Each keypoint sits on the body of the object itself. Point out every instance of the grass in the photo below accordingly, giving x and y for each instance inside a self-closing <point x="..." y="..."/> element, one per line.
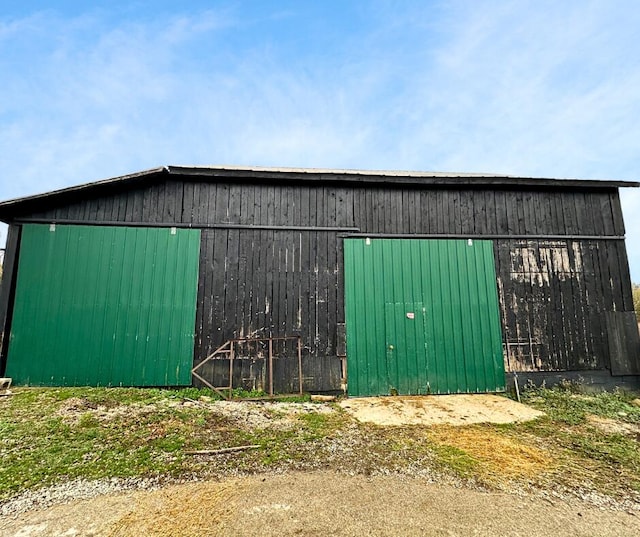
<point x="584" y="441"/>
<point x="47" y="435"/>
<point x="52" y="434"/>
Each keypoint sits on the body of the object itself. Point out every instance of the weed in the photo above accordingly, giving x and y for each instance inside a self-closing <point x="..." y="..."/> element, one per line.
<point x="53" y="434"/>
<point x="456" y="460"/>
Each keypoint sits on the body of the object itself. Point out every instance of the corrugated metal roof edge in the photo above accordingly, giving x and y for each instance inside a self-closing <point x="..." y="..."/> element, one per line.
<point x="508" y="179"/>
<point x="84" y="186"/>
<point x="373" y="176"/>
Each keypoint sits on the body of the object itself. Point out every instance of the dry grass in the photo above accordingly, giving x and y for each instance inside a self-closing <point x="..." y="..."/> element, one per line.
<point x="497" y="456"/>
<point x="190" y="510"/>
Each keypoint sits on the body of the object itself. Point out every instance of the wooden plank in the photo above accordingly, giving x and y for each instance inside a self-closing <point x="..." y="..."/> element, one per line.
<point x="530" y="225"/>
<point x="126" y="206"/>
<point x="502" y="216"/>
<point x="371" y="212"/>
<point x="361" y="209"/>
<point x="174" y="201"/>
<point x="417" y="211"/>
<point x="159" y="200"/>
<point x="616" y="210"/>
<point x="137" y="215"/>
<point x="623" y="276"/>
<point x="313" y="288"/>
<point x="291" y="287"/>
<point x="607" y="213"/>
<point x="203" y="304"/>
<point x="569" y="212"/>
<point x="605" y="278"/>
<point x="234" y="204"/>
<point x="305" y="206"/>
<point x="592" y="305"/>
<point x="306" y="249"/>
<point x="245" y="213"/>
<point x="60" y="213"/>
<point x="147" y="205"/>
<point x="119" y="206"/>
<point x="279" y="284"/>
<point x="399" y="214"/>
<point x="344" y="208"/>
<point x="260" y="296"/>
<point x="219" y="203"/>
<point x="624" y="342"/>
<point x="217" y="321"/>
<point x="580" y="356"/>
<point x="558" y="215"/>
<point x="376" y="206"/>
<point x="593" y="214"/>
<point x="492" y="212"/>
<point x="549" y="225"/>
<point x="332" y="294"/>
<point x="284" y="204"/>
<point x="584" y="216"/>
<point x="203" y="194"/>
<point x="270" y="291"/>
<point x="231" y="305"/>
<point x="7" y="289"/>
<point x="295" y="218"/>
<point x="330" y="206"/>
<point x="238" y="283"/>
<point x="322" y="306"/>
<point x="340" y="315"/>
<point x="597" y="309"/>
<point x="187" y="208"/>
<point x="466" y="216"/>
<point x="105" y="208"/>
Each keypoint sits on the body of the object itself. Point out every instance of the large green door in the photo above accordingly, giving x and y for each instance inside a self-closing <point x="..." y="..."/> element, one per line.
<point x="104" y="306"/>
<point x="422" y="317"/>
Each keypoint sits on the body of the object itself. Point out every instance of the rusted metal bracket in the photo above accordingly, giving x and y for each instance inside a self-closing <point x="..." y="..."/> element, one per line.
<point x="227" y="351"/>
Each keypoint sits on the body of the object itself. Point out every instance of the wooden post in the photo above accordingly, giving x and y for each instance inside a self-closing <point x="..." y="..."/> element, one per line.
<point x="300" y="363"/>
<point x="231" y="355"/>
<point x="270" y="366"/>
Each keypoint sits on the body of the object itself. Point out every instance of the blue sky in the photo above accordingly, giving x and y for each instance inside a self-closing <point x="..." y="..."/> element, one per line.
<point x="92" y="90"/>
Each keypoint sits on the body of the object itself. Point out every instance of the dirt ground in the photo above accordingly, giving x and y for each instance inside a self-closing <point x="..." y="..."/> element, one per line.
<point x="319" y="503"/>
<point x="459" y="409"/>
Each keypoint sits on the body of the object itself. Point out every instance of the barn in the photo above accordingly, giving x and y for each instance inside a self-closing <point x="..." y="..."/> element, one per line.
<point x="283" y="279"/>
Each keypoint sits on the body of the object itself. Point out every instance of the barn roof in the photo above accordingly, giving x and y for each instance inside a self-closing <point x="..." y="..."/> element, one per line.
<point x="11" y="208"/>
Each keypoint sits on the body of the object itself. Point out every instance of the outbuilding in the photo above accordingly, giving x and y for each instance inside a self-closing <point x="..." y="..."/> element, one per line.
<point x="282" y="279"/>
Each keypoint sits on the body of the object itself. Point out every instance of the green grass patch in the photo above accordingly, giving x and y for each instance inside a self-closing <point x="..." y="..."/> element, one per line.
<point x="456" y="460"/>
<point x="48" y="435"/>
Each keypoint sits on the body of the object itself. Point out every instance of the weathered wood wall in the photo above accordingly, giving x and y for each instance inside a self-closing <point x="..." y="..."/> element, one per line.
<point x="271" y="258"/>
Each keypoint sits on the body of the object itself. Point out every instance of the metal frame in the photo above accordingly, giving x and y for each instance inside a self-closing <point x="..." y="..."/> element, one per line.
<point x="227" y="351"/>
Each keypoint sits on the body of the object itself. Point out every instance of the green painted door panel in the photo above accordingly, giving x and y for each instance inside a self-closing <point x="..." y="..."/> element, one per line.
<point x="451" y="287"/>
<point x="405" y="330"/>
<point x="104" y="306"/>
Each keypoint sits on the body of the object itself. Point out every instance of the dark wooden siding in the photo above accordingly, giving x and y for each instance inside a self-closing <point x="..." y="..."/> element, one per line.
<point x="273" y="283"/>
<point x="7" y="291"/>
<point x="371" y="209"/>
<point x="554" y="291"/>
<point x="554" y="297"/>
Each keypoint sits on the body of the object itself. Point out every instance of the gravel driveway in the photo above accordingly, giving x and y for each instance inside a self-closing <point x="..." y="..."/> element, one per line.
<point x="320" y="503"/>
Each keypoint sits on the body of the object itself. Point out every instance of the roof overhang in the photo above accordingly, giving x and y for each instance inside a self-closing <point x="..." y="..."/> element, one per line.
<point x="10" y="208"/>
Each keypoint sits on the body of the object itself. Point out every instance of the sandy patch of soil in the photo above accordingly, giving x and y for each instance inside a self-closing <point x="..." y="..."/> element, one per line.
<point x="320" y="503"/>
<point x="609" y="426"/>
<point x="460" y="409"/>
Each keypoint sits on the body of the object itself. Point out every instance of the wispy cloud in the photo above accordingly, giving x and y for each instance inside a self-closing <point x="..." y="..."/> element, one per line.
<point x="525" y="88"/>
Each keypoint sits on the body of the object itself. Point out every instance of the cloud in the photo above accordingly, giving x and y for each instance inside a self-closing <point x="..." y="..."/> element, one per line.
<point x="524" y="88"/>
